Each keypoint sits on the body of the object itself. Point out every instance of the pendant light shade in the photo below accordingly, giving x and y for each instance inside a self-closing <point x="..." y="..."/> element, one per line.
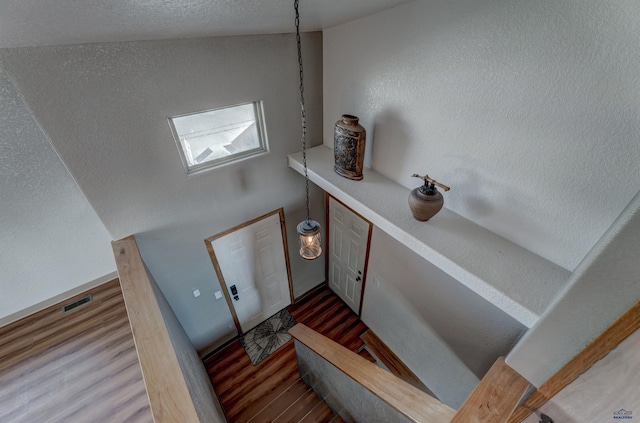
<point x="309" y="234"/>
<point x="308" y="230"/>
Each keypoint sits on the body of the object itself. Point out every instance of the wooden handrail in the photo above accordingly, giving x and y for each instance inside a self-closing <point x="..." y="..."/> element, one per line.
<point x="167" y="389"/>
<point x="408" y="400"/>
<point x="609" y="339"/>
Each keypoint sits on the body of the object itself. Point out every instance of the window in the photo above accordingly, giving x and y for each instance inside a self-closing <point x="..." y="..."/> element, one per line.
<point x="218" y="137"/>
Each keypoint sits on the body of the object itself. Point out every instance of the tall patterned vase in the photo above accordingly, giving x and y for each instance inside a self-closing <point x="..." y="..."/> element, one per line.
<point x="348" y="147"/>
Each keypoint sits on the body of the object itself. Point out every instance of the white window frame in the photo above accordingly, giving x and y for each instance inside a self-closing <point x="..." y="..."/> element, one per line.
<point x="262" y="149"/>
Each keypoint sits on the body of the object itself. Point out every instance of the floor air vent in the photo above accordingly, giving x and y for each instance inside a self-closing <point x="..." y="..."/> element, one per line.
<point x="78" y="303"/>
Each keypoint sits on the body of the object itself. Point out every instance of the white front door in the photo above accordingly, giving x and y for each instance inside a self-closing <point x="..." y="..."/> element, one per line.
<point x="254" y="271"/>
<point x="348" y="242"/>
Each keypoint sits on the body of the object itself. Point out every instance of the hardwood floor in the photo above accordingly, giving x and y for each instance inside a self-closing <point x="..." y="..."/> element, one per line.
<point x="272" y="391"/>
<point x="80" y="366"/>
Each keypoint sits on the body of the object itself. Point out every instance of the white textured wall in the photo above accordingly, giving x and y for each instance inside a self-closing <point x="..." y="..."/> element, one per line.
<point x="528" y="109"/>
<point x="51" y="240"/>
<point x="603" y="287"/>
<point x="447" y="335"/>
<point x="195" y="374"/>
<point x="610" y="385"/>
<point x="105" y="107"/>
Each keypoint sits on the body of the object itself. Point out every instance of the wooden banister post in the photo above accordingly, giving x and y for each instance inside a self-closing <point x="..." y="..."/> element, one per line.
<point x="495" y="397"/>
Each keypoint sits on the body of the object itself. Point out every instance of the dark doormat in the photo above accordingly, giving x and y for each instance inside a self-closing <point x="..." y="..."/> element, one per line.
<point x="268" y="336"/>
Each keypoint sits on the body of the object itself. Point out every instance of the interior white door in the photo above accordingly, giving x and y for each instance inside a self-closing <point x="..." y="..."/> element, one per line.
<point x="348" y="242"/>
<point x="253" y="264"/>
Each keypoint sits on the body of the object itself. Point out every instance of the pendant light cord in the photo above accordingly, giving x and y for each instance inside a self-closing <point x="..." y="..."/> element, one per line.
<point x="302" y="111"/>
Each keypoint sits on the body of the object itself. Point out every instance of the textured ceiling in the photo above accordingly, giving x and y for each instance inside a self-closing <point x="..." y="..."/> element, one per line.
<point x="51" y="22"/>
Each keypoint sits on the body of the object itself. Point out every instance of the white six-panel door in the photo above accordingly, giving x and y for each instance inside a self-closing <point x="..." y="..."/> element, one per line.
<point x="348" y="239"/>
<point x="253" y="260"/>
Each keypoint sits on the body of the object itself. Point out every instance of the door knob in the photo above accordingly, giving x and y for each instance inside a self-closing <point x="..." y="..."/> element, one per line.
<point x="358" y="279"/>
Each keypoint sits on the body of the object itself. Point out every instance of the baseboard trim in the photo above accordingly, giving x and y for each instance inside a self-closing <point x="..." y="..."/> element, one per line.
<point x="304" y="297"/>
<point x="57" y="299"/>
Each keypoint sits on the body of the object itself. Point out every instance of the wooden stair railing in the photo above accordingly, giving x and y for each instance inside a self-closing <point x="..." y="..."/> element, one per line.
<point x="166" y="387"/>
<point x="174" y="395"/>
<point x="496" y="396"/>
<point x="414" y="404"/>
<point x="493" y="401"/>
<point x="609" y="339"/>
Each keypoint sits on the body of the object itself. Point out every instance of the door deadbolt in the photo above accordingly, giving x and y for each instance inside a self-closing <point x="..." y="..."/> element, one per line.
<point x="234" y="292"/>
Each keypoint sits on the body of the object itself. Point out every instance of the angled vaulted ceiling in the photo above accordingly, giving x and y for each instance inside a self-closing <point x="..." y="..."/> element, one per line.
<point x="52" y="22"/>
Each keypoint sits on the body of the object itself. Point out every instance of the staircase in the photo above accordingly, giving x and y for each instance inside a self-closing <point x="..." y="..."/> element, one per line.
<point x="272" y="391"/>
<point x="391" y="362"/>
<point x="296" y="403"/>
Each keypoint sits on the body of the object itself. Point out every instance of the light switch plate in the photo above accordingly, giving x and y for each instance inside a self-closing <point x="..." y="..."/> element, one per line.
<point x="196" y="293"/>
<point x="218" y="295"/>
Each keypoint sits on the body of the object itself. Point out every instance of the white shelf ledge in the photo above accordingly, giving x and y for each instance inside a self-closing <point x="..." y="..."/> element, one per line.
<point x="514" y="279"/>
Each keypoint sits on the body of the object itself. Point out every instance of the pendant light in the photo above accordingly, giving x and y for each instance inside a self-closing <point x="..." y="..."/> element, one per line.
<point x="308" y="230"/>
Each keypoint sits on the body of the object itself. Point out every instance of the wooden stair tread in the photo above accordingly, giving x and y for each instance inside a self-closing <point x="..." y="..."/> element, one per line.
<point x="299" y="409"/>
<point x="321" y="413"/>
<point x="281" y="368"/>
<point x="367" y="355"/>
<point x="392" y="361"/>
<point x="281" y="403"/>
